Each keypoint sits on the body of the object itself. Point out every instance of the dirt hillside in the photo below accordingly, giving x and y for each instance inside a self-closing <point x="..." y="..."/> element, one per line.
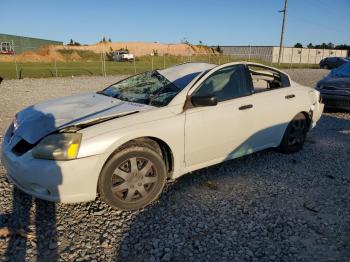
<point x="72" y="53"/>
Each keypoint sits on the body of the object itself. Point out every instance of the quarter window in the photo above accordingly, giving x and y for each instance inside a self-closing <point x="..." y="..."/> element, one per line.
<point x="226" y="83"/>
<point x="266" y="79"/>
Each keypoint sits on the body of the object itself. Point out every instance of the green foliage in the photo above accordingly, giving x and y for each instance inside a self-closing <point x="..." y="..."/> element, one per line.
<point x="84" y="54"/>
<point x="330" y="46"/>
<point x="109" y="54"/>
<point x="72" y="43"/>
<point x="298" y="45"/>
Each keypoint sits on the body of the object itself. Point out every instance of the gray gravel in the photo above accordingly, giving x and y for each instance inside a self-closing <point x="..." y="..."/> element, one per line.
<point x="262" y="207"/>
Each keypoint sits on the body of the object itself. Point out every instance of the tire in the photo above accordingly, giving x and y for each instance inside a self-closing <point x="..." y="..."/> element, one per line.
<point x="326" y="67"/>
<point x="295" y="134"/>
<point x="133" y="177"/>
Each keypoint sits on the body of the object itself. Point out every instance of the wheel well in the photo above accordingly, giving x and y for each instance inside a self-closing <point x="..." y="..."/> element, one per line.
<point x="308" y="117"/>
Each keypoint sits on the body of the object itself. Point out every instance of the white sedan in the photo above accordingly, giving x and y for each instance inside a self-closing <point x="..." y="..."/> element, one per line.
<point x="124" y="142"/>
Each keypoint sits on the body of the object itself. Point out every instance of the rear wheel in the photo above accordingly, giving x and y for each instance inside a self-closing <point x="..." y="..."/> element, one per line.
<point x="295" y="134"/>
<point x="133" y="177"/>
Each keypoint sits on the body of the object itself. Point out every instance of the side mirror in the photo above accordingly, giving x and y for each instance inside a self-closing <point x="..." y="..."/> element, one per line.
<point x="204" y="100"/>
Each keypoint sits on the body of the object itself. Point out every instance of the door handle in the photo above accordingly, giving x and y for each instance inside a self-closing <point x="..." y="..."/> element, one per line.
<point x="289" y="96"/>
<point x="245" y="107"/>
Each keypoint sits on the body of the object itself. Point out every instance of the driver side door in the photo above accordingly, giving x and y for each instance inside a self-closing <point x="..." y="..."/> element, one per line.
<point x="216" y="133"/>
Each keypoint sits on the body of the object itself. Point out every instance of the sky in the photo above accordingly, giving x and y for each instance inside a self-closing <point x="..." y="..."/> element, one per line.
<point x="215" y="22"/>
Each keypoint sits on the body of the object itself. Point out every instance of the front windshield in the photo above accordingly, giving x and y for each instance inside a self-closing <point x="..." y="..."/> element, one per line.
<point x="150" y="88"/>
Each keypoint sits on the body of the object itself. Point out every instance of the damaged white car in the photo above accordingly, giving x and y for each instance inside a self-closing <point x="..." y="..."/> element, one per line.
<point x="124" y="142"/>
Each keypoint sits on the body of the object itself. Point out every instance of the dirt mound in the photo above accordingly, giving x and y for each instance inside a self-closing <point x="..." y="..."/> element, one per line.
<point x="75" y="53"/>
<point x="144" y="48"/>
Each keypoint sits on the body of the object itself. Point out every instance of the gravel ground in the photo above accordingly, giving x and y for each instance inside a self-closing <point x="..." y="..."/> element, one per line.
<point x="262" y="207"/>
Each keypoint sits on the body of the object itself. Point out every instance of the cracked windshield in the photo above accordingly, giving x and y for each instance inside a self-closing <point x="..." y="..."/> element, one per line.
<point x="150" y="88"/>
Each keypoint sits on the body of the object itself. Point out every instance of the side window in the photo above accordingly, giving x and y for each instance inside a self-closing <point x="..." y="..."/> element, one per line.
<point x="226" y="83"/>
<point x="265" y="79"/>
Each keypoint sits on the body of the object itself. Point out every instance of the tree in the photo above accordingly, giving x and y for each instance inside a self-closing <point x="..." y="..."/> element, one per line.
<point x="104" y="40"/>
<point x="218" y="49"/>
<point x="322" y="46"/>
<point x="185" y="41"/>
<point x="298" y="45"/>
<point x="310" y="45"/>
<point x="200" y="42"/>
<point x="72" y="42"/>
<point x="109" y="40"/>
<point x="109" y="54"/>
<point x="330" y="45"/>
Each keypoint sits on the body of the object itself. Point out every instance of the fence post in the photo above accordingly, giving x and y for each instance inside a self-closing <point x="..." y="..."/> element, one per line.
<point x="134" y="64"/>
<point x="250" y="51"/>
<point x="14" y="57"/>
<point x="55" y="68"/>
<point x="102" y="65"/>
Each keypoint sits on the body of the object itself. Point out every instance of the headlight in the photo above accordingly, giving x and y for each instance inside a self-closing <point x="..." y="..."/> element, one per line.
<point x="15" y="123"/>
<point x="63" y="146"/>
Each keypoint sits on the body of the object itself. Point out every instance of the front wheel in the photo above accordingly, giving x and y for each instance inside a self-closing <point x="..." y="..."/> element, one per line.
<point x="133" y="177"/>
<point x="295" y="134"/>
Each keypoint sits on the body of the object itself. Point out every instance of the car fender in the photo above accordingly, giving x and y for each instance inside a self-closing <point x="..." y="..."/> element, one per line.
<point x="170" y="130"/>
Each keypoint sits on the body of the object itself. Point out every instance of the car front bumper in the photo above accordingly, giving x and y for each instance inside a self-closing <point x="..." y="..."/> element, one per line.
<point x="59" y="181"/>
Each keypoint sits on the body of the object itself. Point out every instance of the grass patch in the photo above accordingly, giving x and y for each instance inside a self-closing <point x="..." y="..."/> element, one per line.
<point x="93" y="65"/>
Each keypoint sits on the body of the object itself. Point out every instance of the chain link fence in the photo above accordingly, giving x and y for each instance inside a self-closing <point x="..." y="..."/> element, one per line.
<point x="76" y="63"/>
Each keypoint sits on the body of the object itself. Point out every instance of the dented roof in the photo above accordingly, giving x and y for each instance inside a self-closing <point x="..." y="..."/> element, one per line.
<point x="182" y="75"/>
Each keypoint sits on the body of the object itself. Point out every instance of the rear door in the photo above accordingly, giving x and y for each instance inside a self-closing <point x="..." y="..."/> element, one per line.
<point x="274" y="108"/>
<point x="216" y="133"/>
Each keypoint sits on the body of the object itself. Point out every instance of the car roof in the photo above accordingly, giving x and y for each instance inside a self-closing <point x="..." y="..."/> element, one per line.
<point x="181" y="75"/>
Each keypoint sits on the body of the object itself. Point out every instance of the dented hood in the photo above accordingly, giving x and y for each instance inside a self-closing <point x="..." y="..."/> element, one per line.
<point x="35" y="122"/>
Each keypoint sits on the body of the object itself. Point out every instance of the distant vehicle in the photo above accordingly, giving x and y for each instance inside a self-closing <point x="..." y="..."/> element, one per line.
<point x="333" y="62"/>
<point x="335" y="88"/>
<point x="125" y="141"/>
<point x="122" y="56"/>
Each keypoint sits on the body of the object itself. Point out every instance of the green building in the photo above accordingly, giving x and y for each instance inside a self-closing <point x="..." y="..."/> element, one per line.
<point x="20" y="44"/>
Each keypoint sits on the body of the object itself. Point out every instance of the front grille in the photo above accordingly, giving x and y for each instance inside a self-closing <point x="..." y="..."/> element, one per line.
<point x="328" y="88"/>
<point x="22" y="147"/>
<point x="336" y="103"/>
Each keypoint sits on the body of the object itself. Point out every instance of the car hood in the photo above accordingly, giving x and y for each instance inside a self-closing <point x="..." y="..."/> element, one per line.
<point x="37" y="121"/>
<point x="339" y="82"/>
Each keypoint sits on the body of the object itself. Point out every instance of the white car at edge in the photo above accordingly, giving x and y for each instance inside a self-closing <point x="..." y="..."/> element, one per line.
<point x="124" y="142"/>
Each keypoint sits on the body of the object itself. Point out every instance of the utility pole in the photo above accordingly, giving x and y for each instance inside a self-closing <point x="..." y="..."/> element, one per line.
<point x="284" y="11"/>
